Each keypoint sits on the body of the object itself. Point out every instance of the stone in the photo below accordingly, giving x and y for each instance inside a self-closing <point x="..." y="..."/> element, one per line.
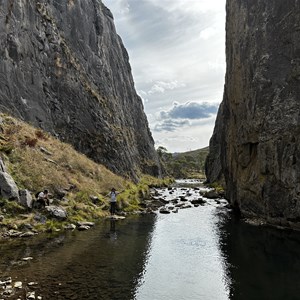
<point x="212" y="194"/>
<point x="27" y="258"/>
<point x="18" y="284"/>
<point x="2" y="165"/>
<point x="198" y="201"/>
<point x="40" y="218"/>
<point x="83" y="227"/>
<point x="90" y="224"/>
<point x="8" y="187"/>
<point x="186" y="205"/>
<point x="1" y="218"/>
<point x="13" y="233"/>
<point x="255" y="145"/>
<point x="60" y="193"/>
<point x="116" y="217"/>
<point x="5" y="281"/>
<point x="44" y="150"/>
<point x="183" y="198"/>
<point x="57" y="212"/>
<point x="164" y="210"/>
<point x="30" y="295"/>
<point x="27" y="234"/>
<point x="70" y="227"/>
<point x="95" y="199"/>
<point x="25" y="198"/>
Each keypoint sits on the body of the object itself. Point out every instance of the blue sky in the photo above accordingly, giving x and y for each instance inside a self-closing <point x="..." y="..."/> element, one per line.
<point x="177" y="54"/>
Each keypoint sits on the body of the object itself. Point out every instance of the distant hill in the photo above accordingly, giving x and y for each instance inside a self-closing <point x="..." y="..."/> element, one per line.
<point x="185" y="164"/>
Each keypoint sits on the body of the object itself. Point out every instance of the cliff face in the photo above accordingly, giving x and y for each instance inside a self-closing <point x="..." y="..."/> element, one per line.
<point x="257" y="133"/>
<point x="64" y="68"/>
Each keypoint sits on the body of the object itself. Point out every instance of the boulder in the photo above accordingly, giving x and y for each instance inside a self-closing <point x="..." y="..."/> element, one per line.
<point x="57" y="212"/>
<point x="198" y="201"/>
<point x="164" y="210"/>
<point x="8" y="187"/>
<point x="212" y="194"/>
<point x="40" y="218"/>
<point x="25" y="198"/>
<point x="70" y="227"/>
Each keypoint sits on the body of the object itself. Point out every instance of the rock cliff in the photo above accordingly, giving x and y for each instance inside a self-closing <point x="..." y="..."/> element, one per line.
<point x="64" y="68"/>
<point x="257" y="132"/>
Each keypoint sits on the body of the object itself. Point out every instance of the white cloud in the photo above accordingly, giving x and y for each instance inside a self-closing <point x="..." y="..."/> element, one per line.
<point x="191" y="6"/>
<point x="177" y="52"/>
<point x="208" y="33"/>
<point x="162" y="86"/>
<point x="190" y="110"/>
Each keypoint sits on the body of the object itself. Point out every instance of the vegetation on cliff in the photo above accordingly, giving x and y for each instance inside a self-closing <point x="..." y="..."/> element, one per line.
<point x="183" y="165"/>
<point x="37" y="161"/>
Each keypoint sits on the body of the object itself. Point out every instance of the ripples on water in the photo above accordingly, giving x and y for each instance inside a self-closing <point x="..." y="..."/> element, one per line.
<point x="198" y="253"/>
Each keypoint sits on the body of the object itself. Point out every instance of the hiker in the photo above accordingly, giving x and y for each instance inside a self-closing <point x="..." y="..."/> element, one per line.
<point x="43" y="198"/>
<point x="113" y="201"/>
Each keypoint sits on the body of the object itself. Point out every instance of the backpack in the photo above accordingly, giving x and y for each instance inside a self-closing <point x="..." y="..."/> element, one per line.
<point x="37" y="194"/>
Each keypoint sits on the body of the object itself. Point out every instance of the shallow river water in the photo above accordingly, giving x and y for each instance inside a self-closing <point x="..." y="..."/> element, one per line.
<point x="197" y="253"/>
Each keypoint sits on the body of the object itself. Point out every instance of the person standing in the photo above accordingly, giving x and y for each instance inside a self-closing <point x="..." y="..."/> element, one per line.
<point x="113" y="201"/>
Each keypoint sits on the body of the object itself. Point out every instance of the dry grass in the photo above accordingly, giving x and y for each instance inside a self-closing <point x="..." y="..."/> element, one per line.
<point x="37" y="161"/>
<point x="58" y="168"/>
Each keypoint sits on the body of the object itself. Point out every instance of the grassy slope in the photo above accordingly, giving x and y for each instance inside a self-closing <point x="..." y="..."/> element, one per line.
<point x="61" y="168"/>
<point x="199" y="156"/>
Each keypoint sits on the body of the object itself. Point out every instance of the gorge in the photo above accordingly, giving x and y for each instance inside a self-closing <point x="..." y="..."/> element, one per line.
<point x="255" y="146"/>
<point x="64" y="69"/>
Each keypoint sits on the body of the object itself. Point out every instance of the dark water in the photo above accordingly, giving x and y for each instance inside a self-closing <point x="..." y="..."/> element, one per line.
<point x="198" y="253"/>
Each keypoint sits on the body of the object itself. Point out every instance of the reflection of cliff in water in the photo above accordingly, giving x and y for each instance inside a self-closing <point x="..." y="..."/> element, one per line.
<point x="263" y="263"/>
<point x="102" y="263"/>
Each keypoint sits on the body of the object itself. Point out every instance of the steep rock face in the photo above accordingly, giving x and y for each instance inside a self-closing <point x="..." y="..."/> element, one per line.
<point x="64" y="68"/>
<point x="258" y="129"/>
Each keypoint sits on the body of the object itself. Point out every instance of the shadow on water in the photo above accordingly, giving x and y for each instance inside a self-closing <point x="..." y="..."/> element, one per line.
<point x="197" y="253"/>
<point x="105" y="262"/>
<point x="262" y="262"/>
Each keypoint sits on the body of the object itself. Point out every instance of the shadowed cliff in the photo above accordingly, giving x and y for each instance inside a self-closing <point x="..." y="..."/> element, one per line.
<point x="64" y="69"/>
<point x="256" y="138"/>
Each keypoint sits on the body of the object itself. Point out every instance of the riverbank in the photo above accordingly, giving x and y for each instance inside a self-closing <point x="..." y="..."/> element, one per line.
<point x="200" y="252"/>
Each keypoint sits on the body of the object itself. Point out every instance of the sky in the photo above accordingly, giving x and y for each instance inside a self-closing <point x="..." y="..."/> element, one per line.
<point x="177" y="53"/>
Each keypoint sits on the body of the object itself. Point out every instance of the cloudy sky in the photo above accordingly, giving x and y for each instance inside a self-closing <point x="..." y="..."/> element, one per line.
<point x="177" y="55"/>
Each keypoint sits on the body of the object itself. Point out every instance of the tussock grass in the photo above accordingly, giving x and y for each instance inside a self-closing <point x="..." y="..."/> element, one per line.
<point x="36" y="161"/>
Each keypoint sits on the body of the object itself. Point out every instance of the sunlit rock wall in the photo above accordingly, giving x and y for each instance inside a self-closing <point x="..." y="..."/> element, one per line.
<point x="64" y="68"/>
<point x="258" y="129"/>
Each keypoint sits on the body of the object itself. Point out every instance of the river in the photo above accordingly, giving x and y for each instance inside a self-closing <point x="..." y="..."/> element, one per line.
<point x="198" y="253"/>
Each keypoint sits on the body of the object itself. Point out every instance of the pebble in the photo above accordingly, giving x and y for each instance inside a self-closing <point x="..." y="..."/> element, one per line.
<point x="27" y="258"/>
<point x="30" y="295"/>
<point x="18" y="285"/>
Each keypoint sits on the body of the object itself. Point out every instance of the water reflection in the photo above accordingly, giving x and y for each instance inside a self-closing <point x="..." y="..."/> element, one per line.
<point x="83" y="265"/>
<point x="184" y="261"/>
<point x="198" y="253"/>
<point x="263" y="263"/>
